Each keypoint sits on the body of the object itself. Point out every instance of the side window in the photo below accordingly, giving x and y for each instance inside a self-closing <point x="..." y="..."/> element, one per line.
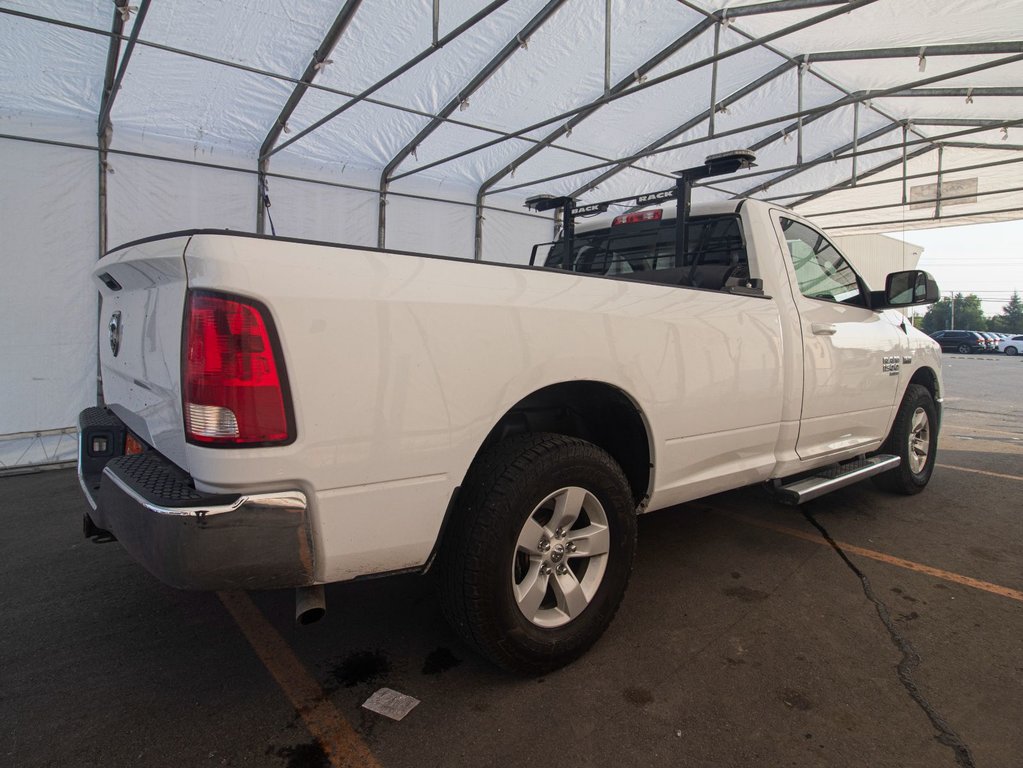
<point x="821" y="271"/>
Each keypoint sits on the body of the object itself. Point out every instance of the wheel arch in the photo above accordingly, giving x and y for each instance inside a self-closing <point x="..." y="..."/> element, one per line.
<point x="595" y="411"/>
<point x="928" y="379"/>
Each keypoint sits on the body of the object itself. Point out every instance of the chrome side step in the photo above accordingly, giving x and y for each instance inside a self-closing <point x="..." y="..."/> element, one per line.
<point x="838" y="476"/>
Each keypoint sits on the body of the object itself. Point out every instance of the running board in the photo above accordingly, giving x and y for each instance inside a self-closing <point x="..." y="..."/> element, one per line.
<point x="838" y="476"/>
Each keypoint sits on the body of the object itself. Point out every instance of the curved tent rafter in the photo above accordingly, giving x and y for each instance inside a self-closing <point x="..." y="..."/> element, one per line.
<point x="845" y="101"/>
<point x="794" y="17"/>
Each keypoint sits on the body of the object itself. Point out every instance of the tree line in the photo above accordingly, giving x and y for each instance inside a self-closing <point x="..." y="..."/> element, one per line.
<point x="968" y="315"/>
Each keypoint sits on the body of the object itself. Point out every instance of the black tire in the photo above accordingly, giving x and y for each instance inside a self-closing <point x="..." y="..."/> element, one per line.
<point x="903" y="479"/>
<point x="480" y="556"/>
<point x="964" y="349"/>
<point x="1011" y="351"/>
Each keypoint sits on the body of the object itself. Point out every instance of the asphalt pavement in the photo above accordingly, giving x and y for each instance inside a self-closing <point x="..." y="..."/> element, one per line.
<point x="863" y="629"/>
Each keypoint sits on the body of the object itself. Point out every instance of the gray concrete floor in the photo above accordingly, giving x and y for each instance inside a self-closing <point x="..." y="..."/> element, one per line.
<point x="739" y="643"/>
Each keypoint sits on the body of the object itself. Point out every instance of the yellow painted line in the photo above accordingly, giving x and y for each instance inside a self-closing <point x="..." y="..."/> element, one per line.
<point x="335" y="735"/>
<point x="955" y="578"/>
<point x="980" y="472"/>
<point x="985" y="430"/>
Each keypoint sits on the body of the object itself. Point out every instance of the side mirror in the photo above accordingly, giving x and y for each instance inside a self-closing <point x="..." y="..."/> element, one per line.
<point x="907" y="289"/>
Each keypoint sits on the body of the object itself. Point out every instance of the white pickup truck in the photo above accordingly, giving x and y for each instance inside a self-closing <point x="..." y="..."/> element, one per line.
<point x="281" y="413"/>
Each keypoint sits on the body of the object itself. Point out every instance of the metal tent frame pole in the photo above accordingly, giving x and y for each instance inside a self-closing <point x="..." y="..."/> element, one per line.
<point x="689" y="124"/>
<point x="253" y="172"/>
<point x="278" y="76"/>
<point x="850" y="183"/>
<point x="933" y="140"/>
<point x="958" y="49"/>
<point x="652" y="82"/>
<point x="805" y="195"/>
<point x="394" y="75"/>
<point x="936" y="199"/>
<point x="845" y="101"/>
<point x="928" y="222"/>
<point x="330" y="41"/>
<point x="517" y="42"/>
<point x="852" y="148"/>
<point x="576" y="118"/>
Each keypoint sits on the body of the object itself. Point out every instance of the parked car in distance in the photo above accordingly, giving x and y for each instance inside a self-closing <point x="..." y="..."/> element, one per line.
<point x="964" y="342"/>
<point x="1013" y="345"/>
<point x="992" y="340"/>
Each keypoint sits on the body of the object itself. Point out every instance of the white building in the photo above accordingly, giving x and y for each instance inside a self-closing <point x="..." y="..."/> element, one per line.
<point x="875" y="256"/>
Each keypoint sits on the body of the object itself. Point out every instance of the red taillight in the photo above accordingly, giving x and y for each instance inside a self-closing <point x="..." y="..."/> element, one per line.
<point x="635" y="218"/>
<point x="233" y="375"/>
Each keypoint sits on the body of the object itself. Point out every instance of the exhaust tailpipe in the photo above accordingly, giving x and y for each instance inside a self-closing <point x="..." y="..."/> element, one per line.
<point x="310" y="604"/>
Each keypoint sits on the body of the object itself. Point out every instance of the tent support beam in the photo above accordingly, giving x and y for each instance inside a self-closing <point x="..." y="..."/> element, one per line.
<point x="851" y="183"/>
<point x="272" y="75"/>
<point x="953" y="92"/>
<point x="315" y="86"/>
<point x="575" y="119"/>
<point x="688" y="125"/>
<point x="905" y="164"/>
<point x="513" y="45"/>
<point x="110" y="93"/>
<point x="607" y="47"/>
<point x="937" y="196"/>
<point x="714" y="81"/>
<point x="637" y="86"/>
<point x="851" y="99"/>
<point x="777" y="6"/>
<point x="799" y="108"/>
<point x="944" y="198"/>
<point x="804" y="67"/>
<point x="807" y="164"/>
<point x="856" y="139"/>
<point x="253" y="172"/>
<point x="982" y="145"/>
<point x="943" y="122"/>
<point x="103" y="148"/>
<point x="395" y="74"/>
<point x="102" y="135"/>
<point x="281" y="78"/>
<point x="835" y="154"/>
<point x="815" y="193"/>
<point x="928" y="222"/>
<point x="330" y="41"/>
<point x="964" y="49"/>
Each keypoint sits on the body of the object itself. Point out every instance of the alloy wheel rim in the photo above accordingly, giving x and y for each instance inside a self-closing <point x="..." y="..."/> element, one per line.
<point x="919" y="441"/>
<point x="560" y="557"/>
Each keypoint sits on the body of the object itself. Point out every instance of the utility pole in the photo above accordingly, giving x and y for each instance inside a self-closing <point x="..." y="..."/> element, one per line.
<point x="953" y="323"/>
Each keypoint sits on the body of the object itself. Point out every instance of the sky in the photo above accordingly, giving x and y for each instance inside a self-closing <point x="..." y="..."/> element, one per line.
<point x="985" y="259"/>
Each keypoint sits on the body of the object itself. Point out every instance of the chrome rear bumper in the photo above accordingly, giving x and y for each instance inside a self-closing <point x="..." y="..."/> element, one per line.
<point x="196" y="540"/>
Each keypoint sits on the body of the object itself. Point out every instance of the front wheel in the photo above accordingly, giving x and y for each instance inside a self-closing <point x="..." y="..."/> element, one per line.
<point x="539" y="554"/>
<point x="914" y="439"/>
<point x="964" y="349"/>
<point x="1011" y="351"/>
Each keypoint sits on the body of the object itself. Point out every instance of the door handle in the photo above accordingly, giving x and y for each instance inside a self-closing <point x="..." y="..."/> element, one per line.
<point x="823" y="329"/>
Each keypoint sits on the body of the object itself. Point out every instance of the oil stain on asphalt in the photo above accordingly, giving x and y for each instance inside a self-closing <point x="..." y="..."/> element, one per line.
<point x="360" y="667"/>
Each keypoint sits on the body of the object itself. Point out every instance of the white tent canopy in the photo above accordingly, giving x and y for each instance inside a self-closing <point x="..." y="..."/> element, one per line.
<point x="423" y="125"/>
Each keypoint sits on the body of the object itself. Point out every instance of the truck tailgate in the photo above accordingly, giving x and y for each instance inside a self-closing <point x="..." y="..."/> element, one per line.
<point x="143" y="289"/>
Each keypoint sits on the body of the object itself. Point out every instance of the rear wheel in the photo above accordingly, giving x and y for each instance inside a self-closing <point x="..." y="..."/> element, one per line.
<point x="914" y="439"/>
<point x="539" y="555"/>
